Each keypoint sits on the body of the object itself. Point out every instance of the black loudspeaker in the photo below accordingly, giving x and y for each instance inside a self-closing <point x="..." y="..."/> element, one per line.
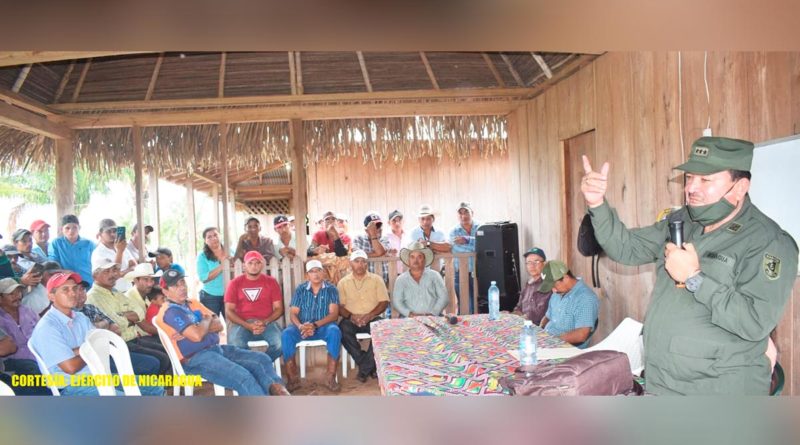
<point x="497" y="259"/>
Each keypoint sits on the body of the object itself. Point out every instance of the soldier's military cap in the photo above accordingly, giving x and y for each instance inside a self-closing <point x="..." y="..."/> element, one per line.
<point x="715" y="154"/>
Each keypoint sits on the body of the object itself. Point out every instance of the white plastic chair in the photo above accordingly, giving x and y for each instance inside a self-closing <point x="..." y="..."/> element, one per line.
<point x="359" y="337"/>
<point x="303" y="345"/>
<point x="625" y="338"/>
<point x="5" y="390"/>
<point x="100" y="346"/>
<point x="177" y="368"/>
<point x="42" y="367"/>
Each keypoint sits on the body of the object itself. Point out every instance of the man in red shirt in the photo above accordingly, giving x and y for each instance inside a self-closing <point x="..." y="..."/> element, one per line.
<point x="329" y="239"/>
<point x="253" y="305"/>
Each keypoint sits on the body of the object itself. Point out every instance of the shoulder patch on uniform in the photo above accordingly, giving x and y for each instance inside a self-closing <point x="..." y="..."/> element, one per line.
<point x="734" y="227"/>
<point x="662" y="215"/>
<point x="772" y="266"/>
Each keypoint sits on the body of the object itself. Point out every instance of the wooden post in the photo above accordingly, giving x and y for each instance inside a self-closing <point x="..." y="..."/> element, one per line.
<point x="153" y="204"/>
<point x="226" y="228"/>
<point x="215" y="197"/>
<point x="191" y="227"/>
<point x="299" y="185"/>
<point x="138" y="190"/>
<point x="65" y="181"/>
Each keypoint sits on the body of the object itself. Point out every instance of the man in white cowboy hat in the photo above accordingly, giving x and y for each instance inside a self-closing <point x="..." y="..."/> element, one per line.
<point x="143" y="279"/>
<point x="436" y="240"/>
<point x="420" y="290"/>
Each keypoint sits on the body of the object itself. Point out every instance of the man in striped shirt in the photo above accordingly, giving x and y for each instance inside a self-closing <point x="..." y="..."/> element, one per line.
<point x="314" y="311"/>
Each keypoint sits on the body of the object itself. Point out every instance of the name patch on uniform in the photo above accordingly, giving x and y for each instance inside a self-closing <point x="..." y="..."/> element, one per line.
<point x="734" y="227"/>
<point x="724" y="259"/>
<point x="772" y="266"/>
<point x="701" y="151"/>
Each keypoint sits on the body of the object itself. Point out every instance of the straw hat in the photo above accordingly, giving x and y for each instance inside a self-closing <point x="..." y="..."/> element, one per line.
<point x="416" y="246"/>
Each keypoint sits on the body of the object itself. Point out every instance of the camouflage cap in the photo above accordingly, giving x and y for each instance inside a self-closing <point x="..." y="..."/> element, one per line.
<point x="715" y="154"/>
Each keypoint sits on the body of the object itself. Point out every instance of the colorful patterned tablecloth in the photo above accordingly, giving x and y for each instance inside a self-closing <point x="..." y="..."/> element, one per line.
<point x="428" y="356"/>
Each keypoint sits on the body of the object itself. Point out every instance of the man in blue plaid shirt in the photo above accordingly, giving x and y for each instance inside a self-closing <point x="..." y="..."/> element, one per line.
<point x="572" y="312"/>
<point x="373" y="242"/>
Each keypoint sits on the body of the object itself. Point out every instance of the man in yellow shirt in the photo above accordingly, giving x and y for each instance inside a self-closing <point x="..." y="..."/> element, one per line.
<point x="119" y="308"/>
<point x="362" y="300"/>
<point x="142" y="277"/>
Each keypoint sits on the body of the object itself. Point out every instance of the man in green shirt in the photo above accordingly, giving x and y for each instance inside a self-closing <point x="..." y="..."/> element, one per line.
<point x="716" y="298"/>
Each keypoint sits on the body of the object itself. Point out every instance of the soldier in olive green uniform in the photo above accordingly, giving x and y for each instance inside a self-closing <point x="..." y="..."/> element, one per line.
<point x="708" y="336"/>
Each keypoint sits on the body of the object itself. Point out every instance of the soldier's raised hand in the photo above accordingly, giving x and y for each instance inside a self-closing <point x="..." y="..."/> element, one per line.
<point x="594" y="184"/>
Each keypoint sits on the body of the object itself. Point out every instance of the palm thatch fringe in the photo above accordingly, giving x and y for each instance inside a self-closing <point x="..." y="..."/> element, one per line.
<point x="256" y="145"/>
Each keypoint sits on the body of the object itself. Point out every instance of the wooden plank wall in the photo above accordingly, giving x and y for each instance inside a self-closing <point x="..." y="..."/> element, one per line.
<point x="354" y="188"/>
<point x="631" y="100"/>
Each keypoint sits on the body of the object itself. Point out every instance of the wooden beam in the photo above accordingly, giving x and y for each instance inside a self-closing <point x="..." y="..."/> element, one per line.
<point x="27" y="103"/>
<point x="298" y="66"/>
<point x="221" y="84"/>
<point x="299" y="186"/>
<point x="292" y="73"/>
<point x="364" y="71"/>
<point x="11" y="58"/>
<point x="512" y="70"/>
<point x="205" y="177"/>
<point x="138" y="185"/>
<point x="542" y="64"/>
<point x="32" y="123"/>
<point x="153" y="205"/>
<point x="191" y="226"/>
<point x="248" y="175"/>
<point x="225" y="191"/>
<point x="81" y="79"/>
<point x="63" y="83"/>
<point x="497" y="77"/>
<point x="429" y="69"/>
<point x="65" y="180"/>
<point x="215" y="197"/>
<point x="255" y="189"/>
<point x="154" y="77"/>
<point x="23" y="74"/>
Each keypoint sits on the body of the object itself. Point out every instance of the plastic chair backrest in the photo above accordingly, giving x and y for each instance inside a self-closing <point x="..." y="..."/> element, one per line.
<point x="5" y="390"/>
<point x="170" y="348"/>
<point x="97" y="351"/>
<point x="778" y="380"/>
<point x="42" y="367"/>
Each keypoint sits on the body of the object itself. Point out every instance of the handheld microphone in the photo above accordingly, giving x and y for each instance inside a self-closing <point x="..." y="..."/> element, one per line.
<point x="676" y="237"/>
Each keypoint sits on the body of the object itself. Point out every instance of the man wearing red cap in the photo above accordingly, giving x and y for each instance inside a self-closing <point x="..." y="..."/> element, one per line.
<point x="59" y="334"/>
<point x="41" y="235"/>
<point x="253" y="305"/>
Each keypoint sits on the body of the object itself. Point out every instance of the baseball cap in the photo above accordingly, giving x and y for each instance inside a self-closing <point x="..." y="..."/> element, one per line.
<point x="69" y="219"/>
<point x="372" y="216"/>
<point x="313" y="264"/>
<point x="395" y="214"/>
<point x="465" y="205"/>
<point x="328" y="214"/>
<point x="425" y="210"/>
<point x="104" y="264"/>
<point x="535" y="251"/>
<point x="160" y="251"/>
<point x="552" y="272"/>
<point x="170" y="278"/>
<point x="60" y="278"/>
<point x="10" y="249"/>
<point x="7" y="285"/>
<point x="38" y="224"/>
<point x="280" y="220"/>
<point x="342" y="216"/>
<point x="107" y="224"/>
<point x="715" y="154"/>
<point x="358" y="254"/>
<point x="253" y="255"/>
<point x="19" y="234"/>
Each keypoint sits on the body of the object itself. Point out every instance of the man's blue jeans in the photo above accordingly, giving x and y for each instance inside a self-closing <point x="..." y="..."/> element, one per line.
<point x="250" y="373"/>
<point x="239" y="336"/>
<point x="471" y="291"/>
<point x="329" y="332"/>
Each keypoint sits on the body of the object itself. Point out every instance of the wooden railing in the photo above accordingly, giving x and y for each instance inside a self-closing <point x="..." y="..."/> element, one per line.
<point x="290" y="273"/>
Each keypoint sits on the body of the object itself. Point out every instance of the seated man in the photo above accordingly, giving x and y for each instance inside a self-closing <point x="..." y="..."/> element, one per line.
<point x="374" y="243"/>
<point x="252" y="240"/>
<point x="193" y="329"/>
<point x="111" y="249"/>
<point x="419" y="290"/>
<point x="142" y="277"/>
<point x="328" y="239"/>
<point x="61" y="331"/>
<point x="253" y="305"/>
<point x="284" y="242"/>
<point x="95" y="315"/>
<point x="163" y="258"/>
<point x="7" y="348"/>
<point x="572" y="312"/>
<point x="314" y="311"/>
<point x="363" y="299"/>
<point x="119" y="308"/>
<point x="23" y="241"/>
<point x="533" y="301"/>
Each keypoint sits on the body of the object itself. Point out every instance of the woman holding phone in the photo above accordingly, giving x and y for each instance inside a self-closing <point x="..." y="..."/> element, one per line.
<point x="210" y="269"/>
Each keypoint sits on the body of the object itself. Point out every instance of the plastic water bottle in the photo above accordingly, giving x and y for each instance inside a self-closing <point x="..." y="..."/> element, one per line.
<point x="494" y="301"/>
<point x="527" y="345"/>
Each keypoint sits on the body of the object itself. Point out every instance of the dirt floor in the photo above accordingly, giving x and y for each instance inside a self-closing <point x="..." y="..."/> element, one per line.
<point x="314" y="385"/>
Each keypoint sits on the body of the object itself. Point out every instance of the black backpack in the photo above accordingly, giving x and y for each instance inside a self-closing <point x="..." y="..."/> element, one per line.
<point x="588" y="246"/>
